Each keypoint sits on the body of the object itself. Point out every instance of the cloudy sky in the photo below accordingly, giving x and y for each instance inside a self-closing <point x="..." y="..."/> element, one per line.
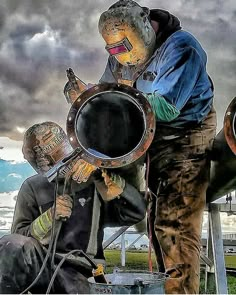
<point x="39" y="40"/>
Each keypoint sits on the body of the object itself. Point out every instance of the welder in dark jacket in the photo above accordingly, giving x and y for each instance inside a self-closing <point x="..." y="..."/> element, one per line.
<point x="149" y="51"/>
<point x="87" y="207"/>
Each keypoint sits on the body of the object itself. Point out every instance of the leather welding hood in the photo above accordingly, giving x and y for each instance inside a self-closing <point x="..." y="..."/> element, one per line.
<point x="48" y="142"/>
<point x="128" y="33"/>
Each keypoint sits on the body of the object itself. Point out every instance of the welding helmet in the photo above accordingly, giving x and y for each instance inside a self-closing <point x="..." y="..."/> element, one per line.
<point x="44" y="145"/>
<point x="128" y="33"/>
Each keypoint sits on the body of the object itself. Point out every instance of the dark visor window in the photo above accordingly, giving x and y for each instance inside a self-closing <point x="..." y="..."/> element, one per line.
<point x="118" y="48"/>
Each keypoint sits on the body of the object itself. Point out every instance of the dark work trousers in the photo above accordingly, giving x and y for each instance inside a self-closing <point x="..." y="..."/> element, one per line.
<point x="180" y="167"/>
<point x="20" y="261"/>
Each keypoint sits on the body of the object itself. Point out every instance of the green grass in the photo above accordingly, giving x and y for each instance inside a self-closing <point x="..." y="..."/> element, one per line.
<point x="138" y="260"/>
<point x="134" y="260"/>
<point x="230" y="261"/>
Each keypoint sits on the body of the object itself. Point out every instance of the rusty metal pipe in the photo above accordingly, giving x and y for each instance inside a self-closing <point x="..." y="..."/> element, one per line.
<point x="223" y="165"/>
<point x="114" y="120"/>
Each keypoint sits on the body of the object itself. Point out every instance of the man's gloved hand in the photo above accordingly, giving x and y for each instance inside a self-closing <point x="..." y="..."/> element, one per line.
<point x="73" y="93"/>
<point x="43" y="224"/>
<point x="63" y="207"/>
<point x="112" y="186"/>
<point x="82" y="170"/>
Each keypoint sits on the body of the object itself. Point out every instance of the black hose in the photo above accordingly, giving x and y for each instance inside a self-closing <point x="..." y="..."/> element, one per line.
<point x="58" y="231"/>
<point x="93" y="264"/>
<point x="49" y="246"/>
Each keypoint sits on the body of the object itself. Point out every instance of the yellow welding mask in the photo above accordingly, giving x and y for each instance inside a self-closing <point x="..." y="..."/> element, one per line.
<point x="128" y="33"/>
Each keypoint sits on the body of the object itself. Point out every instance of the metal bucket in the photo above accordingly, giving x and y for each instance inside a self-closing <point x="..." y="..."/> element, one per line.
<point x="127" y="282"/>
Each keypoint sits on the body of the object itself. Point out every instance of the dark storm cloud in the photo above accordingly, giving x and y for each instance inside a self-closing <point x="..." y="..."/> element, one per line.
<point x="39" y="40"/>
<point x="2" y="16"/>
<point x="214" y="24"/>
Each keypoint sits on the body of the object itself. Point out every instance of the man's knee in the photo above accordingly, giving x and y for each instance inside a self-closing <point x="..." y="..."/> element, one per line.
<point x="19" y="249"/>
<point x="15" y="242"/>
<point x="17" y="263"/>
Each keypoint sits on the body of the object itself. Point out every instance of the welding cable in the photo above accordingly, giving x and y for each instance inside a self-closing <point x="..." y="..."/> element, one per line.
<point x="66" y="181"/>
<point x="148" y="216"/>
<point x="50" y="243"/>
<point x="58" y="229"/>
<point x="147" y="176"/>
<point x="152" y="194"/>
<point x="55" y="245"/>
<point x="93" y="264"/>
<point x="150" y="230"/>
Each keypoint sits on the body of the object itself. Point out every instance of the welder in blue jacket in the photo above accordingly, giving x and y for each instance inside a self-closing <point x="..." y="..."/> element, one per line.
<point x="149" y="51"/>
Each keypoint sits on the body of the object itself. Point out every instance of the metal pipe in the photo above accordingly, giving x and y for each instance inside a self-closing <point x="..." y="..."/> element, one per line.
<point x="223" y="165"/>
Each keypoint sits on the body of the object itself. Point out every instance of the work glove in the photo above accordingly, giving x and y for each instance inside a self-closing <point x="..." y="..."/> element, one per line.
<point x="43" y="224"/>
<point x="73" y="94"/>
<point x="111" y="186"/>
<point x="162" y="109"/>
<point x="81" y="171"/>
<point x="63" y="207"/>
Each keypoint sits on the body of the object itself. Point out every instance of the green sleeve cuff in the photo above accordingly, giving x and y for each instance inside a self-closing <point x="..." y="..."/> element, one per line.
<point x="163" y="110"/>
<point x="41" y="225"/>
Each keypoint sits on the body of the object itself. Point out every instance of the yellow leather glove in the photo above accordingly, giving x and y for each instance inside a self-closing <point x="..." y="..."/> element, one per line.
<point x="63" y="207"/>
<point x="82" y="170"/>
<point x="43" y="224"/>
<point x="112" y="186"/>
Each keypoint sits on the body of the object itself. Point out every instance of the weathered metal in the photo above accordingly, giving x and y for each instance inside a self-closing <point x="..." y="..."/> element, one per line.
<point x="112" y="123"/>
<point x="229" y="125"/>
<point x="215" y="275"/>
<point x="127" y="282"/>
<point x="223" y="168"/>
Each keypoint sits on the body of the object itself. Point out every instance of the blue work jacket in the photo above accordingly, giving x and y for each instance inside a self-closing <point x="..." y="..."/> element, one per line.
<point x="177" y="71"/>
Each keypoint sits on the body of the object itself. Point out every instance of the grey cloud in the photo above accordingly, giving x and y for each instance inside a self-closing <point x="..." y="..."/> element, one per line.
<point x="2" y="16"/>
<point x="39" y="40"/>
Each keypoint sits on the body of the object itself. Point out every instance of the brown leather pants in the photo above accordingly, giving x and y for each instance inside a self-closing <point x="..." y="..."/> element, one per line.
<point x="179" y="170"/>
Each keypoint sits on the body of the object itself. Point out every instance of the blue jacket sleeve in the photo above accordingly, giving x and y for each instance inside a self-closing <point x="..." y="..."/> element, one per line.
<point x="177" y="74"/>
<point x="108" y="76"/>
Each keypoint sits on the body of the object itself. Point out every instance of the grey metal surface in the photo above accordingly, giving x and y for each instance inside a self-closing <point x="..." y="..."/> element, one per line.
<point x="223" y="169"/>
<point x="226" y="208"/>
<point x="130" y="283"/>
<point x="206" y="260"/>
<point x="123" y="256"/>
<point x="210" y="284"/>
<point x="118" y="233"/>
<point x="218" y="251"/>
<point x="135" y="241"/>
